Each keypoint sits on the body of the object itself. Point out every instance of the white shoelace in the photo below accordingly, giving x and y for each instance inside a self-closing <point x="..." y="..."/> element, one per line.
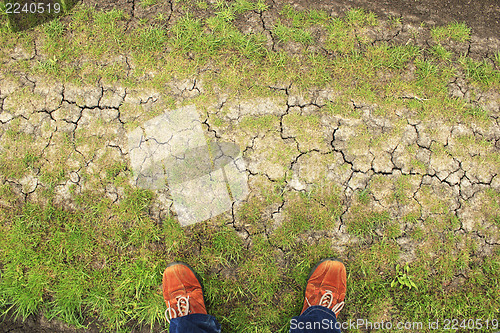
<point x="182" y="308"/>
<point x="327" y="299"/>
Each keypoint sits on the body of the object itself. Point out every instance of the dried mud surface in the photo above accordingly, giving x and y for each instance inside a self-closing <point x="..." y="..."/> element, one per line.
<point x="446" y="167"/>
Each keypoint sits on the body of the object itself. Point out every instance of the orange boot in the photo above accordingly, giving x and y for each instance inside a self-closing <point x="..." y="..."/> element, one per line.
<point x="182" y="291"/>
<point x="326" y="285"/>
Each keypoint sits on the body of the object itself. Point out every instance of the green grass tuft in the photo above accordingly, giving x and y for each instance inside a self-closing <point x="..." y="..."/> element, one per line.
<point x="459" y="32"/>
<point x="480" y="72"/>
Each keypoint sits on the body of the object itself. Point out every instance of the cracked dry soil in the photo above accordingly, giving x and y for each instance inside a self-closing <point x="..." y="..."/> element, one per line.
<point x="436" y="167"/>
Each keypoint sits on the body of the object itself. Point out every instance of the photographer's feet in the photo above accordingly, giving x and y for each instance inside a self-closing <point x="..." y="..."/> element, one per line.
<point x="182" y="291"/>
<point x="326" y="285"/>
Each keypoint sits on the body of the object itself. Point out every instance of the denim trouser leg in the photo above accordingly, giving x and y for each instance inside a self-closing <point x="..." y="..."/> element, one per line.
<point x="315" y="319"/>
<point x="195" y="323"/>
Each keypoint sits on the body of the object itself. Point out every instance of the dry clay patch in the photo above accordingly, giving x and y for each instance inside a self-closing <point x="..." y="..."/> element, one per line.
<point x="410" y="167"/>
<point x="71" y="139"/>
<point x="171" y="151"/>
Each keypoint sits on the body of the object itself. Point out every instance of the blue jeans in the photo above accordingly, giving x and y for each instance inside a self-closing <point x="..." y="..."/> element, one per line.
<point x="194" y="323"/>
<point x="314" y="319"/>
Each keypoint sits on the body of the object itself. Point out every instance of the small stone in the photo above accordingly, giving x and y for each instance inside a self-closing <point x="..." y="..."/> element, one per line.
<point x="74" y="177"/>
